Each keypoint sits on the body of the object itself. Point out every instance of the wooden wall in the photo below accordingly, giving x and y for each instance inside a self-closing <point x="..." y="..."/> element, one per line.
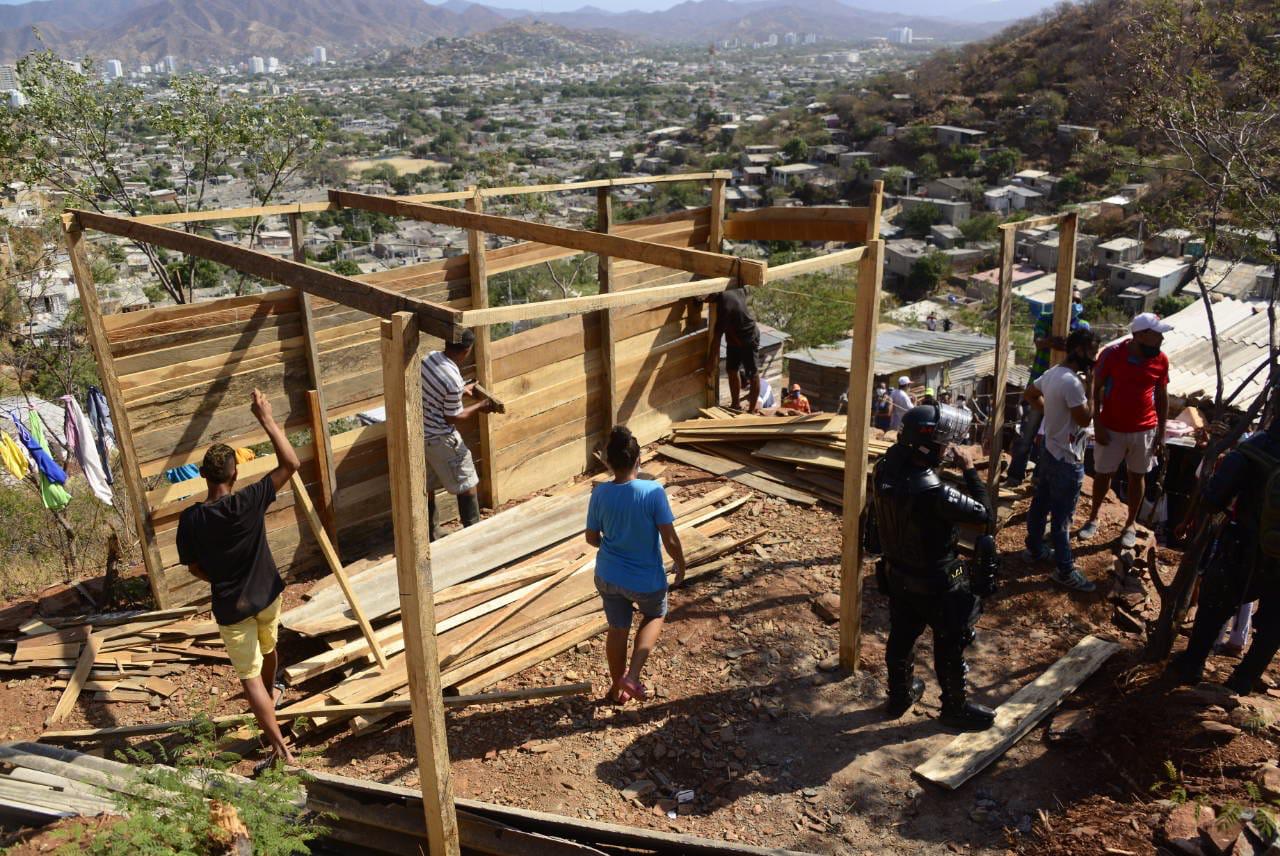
<point x="186" y="372"/>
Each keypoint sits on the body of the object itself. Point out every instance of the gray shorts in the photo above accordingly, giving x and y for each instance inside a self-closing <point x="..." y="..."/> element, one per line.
<point x="620" y="603"/>
<point x="449" y="460"/>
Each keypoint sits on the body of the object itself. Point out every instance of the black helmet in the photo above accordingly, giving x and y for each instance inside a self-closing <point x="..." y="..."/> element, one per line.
<point x="929" y="428"/>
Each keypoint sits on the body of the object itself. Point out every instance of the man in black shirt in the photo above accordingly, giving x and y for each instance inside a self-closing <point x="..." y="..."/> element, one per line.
<point x="224" y="540"/>
<point x="742" y="341"/>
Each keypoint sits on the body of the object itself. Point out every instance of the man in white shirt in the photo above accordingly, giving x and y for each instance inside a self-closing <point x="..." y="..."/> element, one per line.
<point x="901" y="401"/>
<point x="1066" y="401"/>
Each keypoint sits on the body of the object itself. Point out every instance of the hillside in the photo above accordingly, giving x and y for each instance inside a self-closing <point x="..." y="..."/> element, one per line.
<point x="512" y="45"/>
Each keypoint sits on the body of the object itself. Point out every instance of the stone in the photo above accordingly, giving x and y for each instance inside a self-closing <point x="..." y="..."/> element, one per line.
<point x="540" y="747"/>
<point x="738" y="653"/>
<point x="638" y="788"/>
<point x="1072" y="726"/>
<point x="1218" y="732"/>
<point x="1268" y="780"/>
<point x="1220" y="840"/>
<point x="827" y="607"/>
<point x="829" y="664"/>
<point x="1181" y="828"/>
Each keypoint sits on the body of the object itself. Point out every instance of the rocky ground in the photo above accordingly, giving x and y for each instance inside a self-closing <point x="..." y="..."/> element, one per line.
<point x="753" y="735"/>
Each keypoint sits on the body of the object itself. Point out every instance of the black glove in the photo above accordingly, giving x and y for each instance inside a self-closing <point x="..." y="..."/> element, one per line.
<point x="985" y="572"/>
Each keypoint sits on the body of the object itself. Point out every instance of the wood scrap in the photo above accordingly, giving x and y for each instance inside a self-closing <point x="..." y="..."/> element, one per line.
<point x="738" y="472"/>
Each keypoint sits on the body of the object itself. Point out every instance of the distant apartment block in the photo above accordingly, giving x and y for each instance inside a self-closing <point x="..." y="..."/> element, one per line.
<point x="900" y="35"/>
<point x="319" y="55"/>
<point x="169" y="65"/>
<point x="257" y="65"/>
<point x="114" y="69"/>
<point x="8" y="77"/>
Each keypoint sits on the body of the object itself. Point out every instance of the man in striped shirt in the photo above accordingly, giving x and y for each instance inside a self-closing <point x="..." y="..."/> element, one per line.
<point x="442" y="413"/>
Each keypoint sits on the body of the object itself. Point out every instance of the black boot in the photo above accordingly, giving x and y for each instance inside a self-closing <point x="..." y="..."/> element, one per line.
<point x="904" y="689"/>
<point x="957" y="712"/>
<point x="469" y="508"/>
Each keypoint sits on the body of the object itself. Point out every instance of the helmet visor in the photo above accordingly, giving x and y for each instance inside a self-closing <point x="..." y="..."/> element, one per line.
<point x="953" y="425"/>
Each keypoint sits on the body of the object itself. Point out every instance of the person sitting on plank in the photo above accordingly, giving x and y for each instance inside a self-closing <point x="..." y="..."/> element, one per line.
<point x="627" y="518"/>
<point x="223" y="541"/>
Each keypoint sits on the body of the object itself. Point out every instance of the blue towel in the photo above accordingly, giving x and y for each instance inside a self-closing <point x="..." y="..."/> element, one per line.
<point x="186" y="472"/>
<point x="48" y="466"/>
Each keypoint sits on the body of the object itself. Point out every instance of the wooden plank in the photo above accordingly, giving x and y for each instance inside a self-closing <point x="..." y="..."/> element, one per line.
<point x="593" y="302"/>
<point x="694" y="261"/>
<point x="76" y="682"/>
<point x="335" y="565"/>
<point x="364" y="296"/>
<point x="601" y="182"/>
<point x="1064" y="284"/>
<point x="808" y="230"/>
<point x="322" y="442"/>
<point x="866" y="317"/>
<point x="407" y="457"/>
<point x="1033" y="223"/>
<point x="119" y="415"/>
<point x="738" y="472"/>
<point x="608" y="347"/>
<point x="970" y="754"/>
<point x="478" y="264"/>
<point x="1004" y="309"/>
<point x="715" y="238"/>
<point x="815" y="264"/>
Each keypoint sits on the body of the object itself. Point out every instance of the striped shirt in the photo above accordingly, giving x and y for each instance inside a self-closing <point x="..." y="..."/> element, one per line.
<point x="442" y="386"/>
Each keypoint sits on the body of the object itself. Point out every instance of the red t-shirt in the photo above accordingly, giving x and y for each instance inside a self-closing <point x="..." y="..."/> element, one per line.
<point x="1129" y="383"/>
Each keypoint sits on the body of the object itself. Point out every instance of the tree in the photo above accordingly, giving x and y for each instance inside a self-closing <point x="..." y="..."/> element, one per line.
<point x="815" y="309"/>
<point x="928" y="272"/>
<point x="927" y="167"/>
<point x="346" y="267"/>
<point x="919" y="218"/>
<point x="984" y="227"/>
<point x="896" y="179"/>
<point x="1001" y="163"/>
<point x="795" y="150"/>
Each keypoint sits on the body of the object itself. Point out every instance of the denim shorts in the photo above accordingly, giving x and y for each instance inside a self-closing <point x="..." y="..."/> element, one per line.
<point x="619" y="603"/>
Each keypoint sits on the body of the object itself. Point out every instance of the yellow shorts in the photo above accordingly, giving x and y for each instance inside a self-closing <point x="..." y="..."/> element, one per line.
<point x="250" y="640"/>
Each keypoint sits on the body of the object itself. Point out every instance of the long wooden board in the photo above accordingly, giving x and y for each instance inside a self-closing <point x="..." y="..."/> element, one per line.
<point x="738" y="472"/>
<point x="970" y="754"/>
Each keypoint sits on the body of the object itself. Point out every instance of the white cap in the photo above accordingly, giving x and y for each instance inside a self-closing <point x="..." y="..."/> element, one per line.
<point x="904" y="381"/>
<point x="1149" y="321"/>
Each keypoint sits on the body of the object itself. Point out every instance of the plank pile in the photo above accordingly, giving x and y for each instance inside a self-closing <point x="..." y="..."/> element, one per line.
<point x="533" y="598"/>
<point x="797" y="458"/>
<point x="125" y="657"/>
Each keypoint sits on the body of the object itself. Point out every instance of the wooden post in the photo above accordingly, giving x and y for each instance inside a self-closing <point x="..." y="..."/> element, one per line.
<point x="1067" y="230"/>
<point x="489" y="493"/>
<point x="1004" y="308"/>
<point x="876" y="209"/>
<point x="604" y="273"/>
<point x="715" y="239"/>
<point x="129" y="463"/>
<point x="406" y="457"/>
<point x="866" y="315"/>
<point x="315" y="397"/>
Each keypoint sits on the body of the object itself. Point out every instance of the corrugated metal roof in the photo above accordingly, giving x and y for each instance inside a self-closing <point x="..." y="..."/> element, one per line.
<point x="1242" y="341"/>
<point x="899" y="350"/>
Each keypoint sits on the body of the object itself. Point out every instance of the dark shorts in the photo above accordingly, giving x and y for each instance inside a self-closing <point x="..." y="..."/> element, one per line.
<point x="620" y="603"/>
<point x="742" y="357"/>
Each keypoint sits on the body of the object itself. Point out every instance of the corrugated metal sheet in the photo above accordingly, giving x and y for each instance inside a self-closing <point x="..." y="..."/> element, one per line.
<point x="1242" y="340"/>
<point x="899" y="350"/>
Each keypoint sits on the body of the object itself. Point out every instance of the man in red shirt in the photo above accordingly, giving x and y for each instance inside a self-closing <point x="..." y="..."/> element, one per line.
<point x="1130" y="385"/>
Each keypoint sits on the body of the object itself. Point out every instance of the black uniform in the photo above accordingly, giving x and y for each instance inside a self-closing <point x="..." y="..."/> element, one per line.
<point x="1236" y="571"/>
<point x="916" y="517"/>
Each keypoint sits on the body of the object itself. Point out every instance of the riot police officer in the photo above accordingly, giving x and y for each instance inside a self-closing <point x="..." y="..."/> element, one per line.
<point x="915" y="517"/>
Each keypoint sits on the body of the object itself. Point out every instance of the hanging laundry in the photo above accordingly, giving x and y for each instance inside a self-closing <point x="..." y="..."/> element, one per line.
<point x="14" y="457"/>
<point x="186" y="472"/>
<point x="80" y="445"/>
<point x="52" y="494"/>
<point x="104" y="433"/>
<point x="244" y="454"/>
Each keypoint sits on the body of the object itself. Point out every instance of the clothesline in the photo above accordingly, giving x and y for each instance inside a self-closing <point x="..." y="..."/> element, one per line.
<point x="87" y="438"/>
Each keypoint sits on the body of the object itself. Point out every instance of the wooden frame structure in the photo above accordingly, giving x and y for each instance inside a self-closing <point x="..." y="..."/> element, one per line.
<point x="645" y="272"/>
<point x="1068" y="229"/>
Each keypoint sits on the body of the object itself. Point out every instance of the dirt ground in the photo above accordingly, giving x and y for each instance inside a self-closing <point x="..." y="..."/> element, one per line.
<point x="779" y="749"/>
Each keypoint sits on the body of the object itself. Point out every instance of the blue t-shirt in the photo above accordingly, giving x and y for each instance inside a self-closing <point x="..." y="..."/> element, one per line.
<point x="627" y="516"/>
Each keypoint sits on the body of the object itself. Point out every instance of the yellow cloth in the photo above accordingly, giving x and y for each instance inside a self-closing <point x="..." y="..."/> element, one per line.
<point x="250" y="640"/>
<point x="244" y="454"/>
<point x="14" y="456"/>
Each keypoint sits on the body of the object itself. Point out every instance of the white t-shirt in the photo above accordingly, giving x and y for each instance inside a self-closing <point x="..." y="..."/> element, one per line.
<point x="901" y="404"/>
<point x="1062" y="390"/>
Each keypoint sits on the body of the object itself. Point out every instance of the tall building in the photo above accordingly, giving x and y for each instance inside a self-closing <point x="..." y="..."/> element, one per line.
<point x="900" y="35"/>
<point x="257" y="65"/>
<point x="810" y="38"/>
<point x="772" y="41"/>
<point x="319" y="55"/>
<point x="273" y="64"/>
<point x="169" y="65"/>
<point x="8" y="77"/>
<point x="115" y="69"/>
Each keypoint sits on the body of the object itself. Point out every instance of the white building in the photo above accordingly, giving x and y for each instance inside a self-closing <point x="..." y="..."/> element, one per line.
<point x="170" y="64"/>
<point x="257" y="65"/>
<point x="8" y="77"/>
<point x="772" y="41"/>
<point x="114" y="69"/>
<point x="319" y="55"/>
<point x="790" y="39"/>
<point x="900" y="35"/>
<point x="273" y="65"/>
<point x="810" y="38"/>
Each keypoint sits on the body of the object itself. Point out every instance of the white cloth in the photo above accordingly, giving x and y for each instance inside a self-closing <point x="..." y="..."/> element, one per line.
<point x="1062" y="390"/>
<point x="767" y="398"/>
<point x="901" y="404"/>
<point x="87" y="451"/>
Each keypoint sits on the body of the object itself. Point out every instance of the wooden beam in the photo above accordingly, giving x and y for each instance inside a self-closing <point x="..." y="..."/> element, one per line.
<point x="604" y="273"/>
<point x="83" y="666"/>
<point x="484" y="361"/>
<point x="335" y="565"/>
<point x="1004" y="308"/>
<point x="602" y="182"/>
<point x="594" y="302"/>
<point x="436" y="320"/>
<point x="662" y="255"/>
<point x="815" y="264"/>
<point x="866" y="315"/>
<point x="1066" y="279"/>
<point x="407" y="466"/>
<point x="129" y="462"/>
<point x="715" y="240"/>
<point x="875" y="212"/>
<point x="969" y="754"/>
<point x="1033" y="222"/>
<point x="323" y="444"/>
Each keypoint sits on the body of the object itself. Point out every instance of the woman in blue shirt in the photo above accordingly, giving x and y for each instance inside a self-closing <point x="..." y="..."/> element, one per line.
<point x="627" y="519"/>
